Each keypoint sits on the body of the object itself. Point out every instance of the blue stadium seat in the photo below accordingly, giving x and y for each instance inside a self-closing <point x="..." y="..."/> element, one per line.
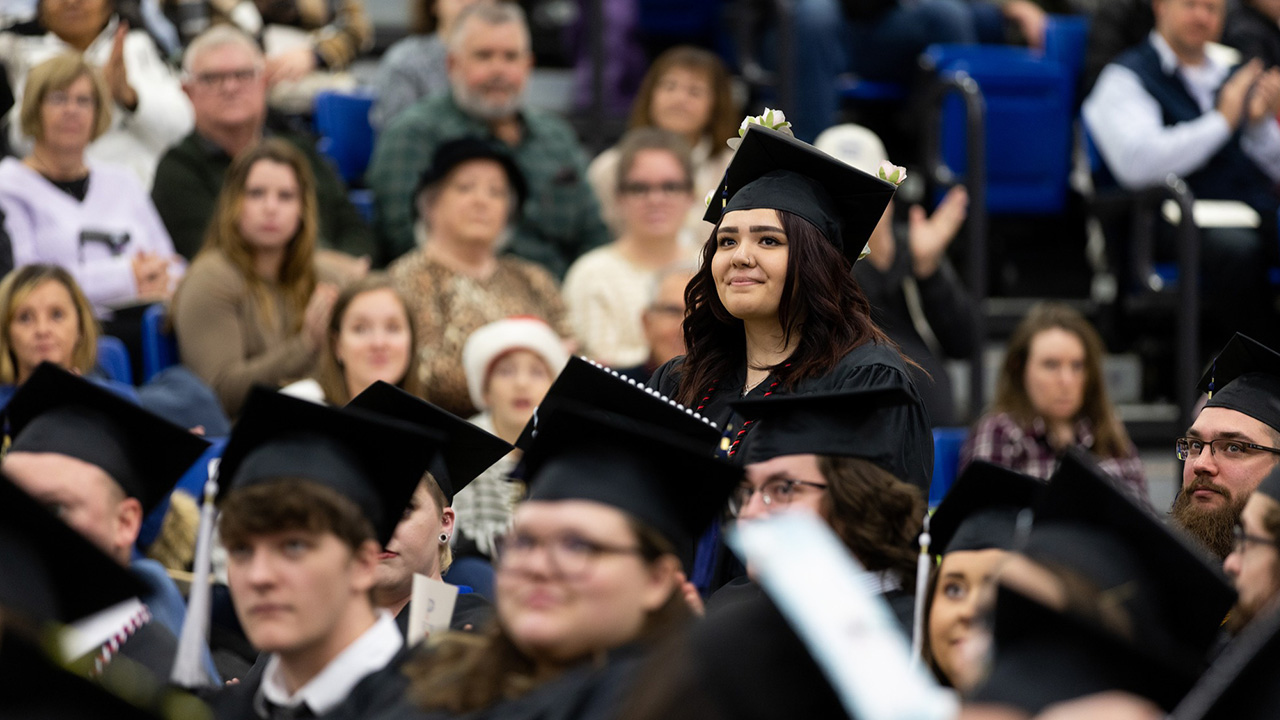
<point x="946" y="461"/>
<point x="159" y="348"/>
<point x="346" y="137"/>
<point x="113" y="359"/>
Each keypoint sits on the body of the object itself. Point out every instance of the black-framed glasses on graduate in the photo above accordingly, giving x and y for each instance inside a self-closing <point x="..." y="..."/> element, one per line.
<point x="1189" y="448"/>
<point x="568" y="555"/>
<point x="1244" y="539"/>
<point x="776" y="491"/>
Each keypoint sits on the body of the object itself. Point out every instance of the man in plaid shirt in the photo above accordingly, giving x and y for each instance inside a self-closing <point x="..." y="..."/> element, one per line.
<point x="489" y="63"/>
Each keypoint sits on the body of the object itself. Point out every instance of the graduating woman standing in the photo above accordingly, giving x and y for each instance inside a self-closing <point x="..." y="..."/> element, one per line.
<point x="774" y="307"/>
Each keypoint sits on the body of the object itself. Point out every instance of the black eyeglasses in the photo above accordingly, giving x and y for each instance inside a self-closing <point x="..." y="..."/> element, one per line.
<point x="568" y="555"/>
<point x="1243" y="538"/>
<point x="666" y="189"/>
<point x="1189" y="448"/>
<point x="777" y="491"/>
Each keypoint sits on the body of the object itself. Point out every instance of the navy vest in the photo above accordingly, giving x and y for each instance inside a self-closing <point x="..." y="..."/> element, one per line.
<point x="1230" y="174"/>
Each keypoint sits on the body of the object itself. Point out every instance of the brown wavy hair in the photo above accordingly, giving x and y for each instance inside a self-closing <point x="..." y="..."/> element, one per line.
<point x="1110" y="437"/>
<point x="329" y="371"/>
<point x="876" y="515"/>
<point x="827" y="310"/>
<point x="725" y="115"/>
<point x="470" y="671"/>
<point x="298" y="273"/>
<point x="14" y="290"/>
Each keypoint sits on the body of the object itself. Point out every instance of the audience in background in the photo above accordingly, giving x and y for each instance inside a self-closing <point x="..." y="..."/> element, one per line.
<point x="606" y="290"/>
<point x="663" y="321"/>
<point x="250" y="311"/>
<point x="686" y="92"/>
<point x="370" y="338"/>
<point x="489" y="65"/>
<point x="467" y="201"/>
<point x="1051" y="395"/>
<point x="1253" y="28"/>
<point x="416" y="66"/>
<point x="1169" y="106"/>
<point x="63" y="208"/>
<point x="1114" y="27"/>
<point x="224" y="76"/>
<point x="912" y="287"/>
<point x="149" y="112"/>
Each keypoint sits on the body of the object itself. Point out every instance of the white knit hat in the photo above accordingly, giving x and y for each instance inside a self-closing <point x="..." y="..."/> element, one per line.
<point x="854" y="145"/>
<point x="486" y="344"/>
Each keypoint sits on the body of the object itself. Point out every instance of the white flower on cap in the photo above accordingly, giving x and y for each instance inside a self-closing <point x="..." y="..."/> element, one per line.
<point x="889" y="172"/>
<point x="488" y="343"/>
<point x="770" y="118"/>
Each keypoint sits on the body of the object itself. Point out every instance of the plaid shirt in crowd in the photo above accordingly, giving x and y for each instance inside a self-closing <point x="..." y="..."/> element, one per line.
<point x="560" y="220"/>
<point x="999" y="439"/>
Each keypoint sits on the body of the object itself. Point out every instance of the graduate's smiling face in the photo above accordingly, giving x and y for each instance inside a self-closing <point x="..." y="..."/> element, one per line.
<point x="571" y="582"/>
<point x="301" y="594"/>
<point x="750" y="263"/>
<point x="957" y="642"/>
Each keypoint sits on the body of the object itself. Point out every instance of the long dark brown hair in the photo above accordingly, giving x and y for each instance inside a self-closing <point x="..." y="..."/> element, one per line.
<point x="329" y="372"/>
<point x="1110" y="437"/>
<point x="827" y="310"/>
<point x="467" y="672"/>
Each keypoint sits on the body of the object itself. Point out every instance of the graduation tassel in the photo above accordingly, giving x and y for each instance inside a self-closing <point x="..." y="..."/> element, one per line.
<point x="922" y="587"/>
<point x="188" y="664"/>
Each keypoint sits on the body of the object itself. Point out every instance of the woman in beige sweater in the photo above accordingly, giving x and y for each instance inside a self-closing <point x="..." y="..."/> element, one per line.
<point x="250" y="310"/>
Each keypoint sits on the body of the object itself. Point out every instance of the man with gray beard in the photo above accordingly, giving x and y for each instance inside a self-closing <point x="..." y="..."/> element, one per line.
<point x="489" y="63"/>
<point x="1232" y="445"/>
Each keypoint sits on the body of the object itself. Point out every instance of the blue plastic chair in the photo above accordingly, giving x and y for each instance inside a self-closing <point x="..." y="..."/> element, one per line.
<point x="113" y="359"/>
<point x="947" y="442"/>
<point x="346" y="137"/>
<point x="159" y="347"/>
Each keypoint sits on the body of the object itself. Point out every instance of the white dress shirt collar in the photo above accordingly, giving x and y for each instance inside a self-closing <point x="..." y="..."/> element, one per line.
<point x="368" y="654"/>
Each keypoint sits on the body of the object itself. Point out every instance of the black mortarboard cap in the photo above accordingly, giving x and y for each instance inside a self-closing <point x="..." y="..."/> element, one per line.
<point x="651" y="472"/>
<point x="1242" y="682"/>
<point x="1245" y="377"/>
<point x="848" y="423"/>
<point x="1043" y="656"/>
<point x="587" y="385"/>
<point x="35" y="687"/>
<point x="50" y="571"/>
<point x="1173" y="594"/>
<point x="373" y="460"/>
<point x="453" y="153"/>
<point x="981" y="510"/>
<point x="467" y="450"/>
<point x="774" y="170"/>
<point x="56" y="411"/>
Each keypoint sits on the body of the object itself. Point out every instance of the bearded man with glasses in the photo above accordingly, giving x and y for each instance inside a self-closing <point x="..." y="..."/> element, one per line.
<point x="1232" y="445"/>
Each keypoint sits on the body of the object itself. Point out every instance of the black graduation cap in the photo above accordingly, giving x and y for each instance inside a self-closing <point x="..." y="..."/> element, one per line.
<point x="375" y="461"/>
<point x="1245" y="377"/>
<point x="35" y="687"/>
<point x="1270" y="485"/>
<point x="468" y="450"/>
<point x="1242" y="683"/>
<point x="589" y="385"/>
<point x="981" y="510"/>
<point x="56" y="411"/>
<point x="50" y="571"/>
<point x="651" y="472"/>
<point x="1043" y="656"/>
<point x="848" y="423"/>
<point x="774" y="170"/>
<point x="1173" y="594"/>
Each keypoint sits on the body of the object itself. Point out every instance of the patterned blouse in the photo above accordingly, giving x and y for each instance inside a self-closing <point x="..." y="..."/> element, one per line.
<point x="999" y="439"/>
<point x="449" y="306"/>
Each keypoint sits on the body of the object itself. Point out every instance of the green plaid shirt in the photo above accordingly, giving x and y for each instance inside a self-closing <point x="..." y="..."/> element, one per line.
<point x="561" y="219"/>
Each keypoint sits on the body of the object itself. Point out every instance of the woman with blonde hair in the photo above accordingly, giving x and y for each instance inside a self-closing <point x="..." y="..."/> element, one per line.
<point x="371" y="337"/>
<point x="94" y="219"/>
<point x="1052" y="395"/>
<point x="251" y="311"/>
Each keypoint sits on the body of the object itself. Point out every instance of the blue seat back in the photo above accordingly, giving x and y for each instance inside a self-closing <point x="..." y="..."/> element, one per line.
<point x="947" y="442"/>
<point x="113" y="359"/>
<point x="346" y="137"/>
<point x="159" y="348"/>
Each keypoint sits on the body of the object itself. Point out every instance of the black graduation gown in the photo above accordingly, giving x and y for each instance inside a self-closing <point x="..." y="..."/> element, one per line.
<point x="742" y="590"/>
<point x="471" y="612"/>
<point x="904" y="432"/>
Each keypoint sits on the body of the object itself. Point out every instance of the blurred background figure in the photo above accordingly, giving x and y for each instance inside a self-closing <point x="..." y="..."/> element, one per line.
<point x="663" y="321"/>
